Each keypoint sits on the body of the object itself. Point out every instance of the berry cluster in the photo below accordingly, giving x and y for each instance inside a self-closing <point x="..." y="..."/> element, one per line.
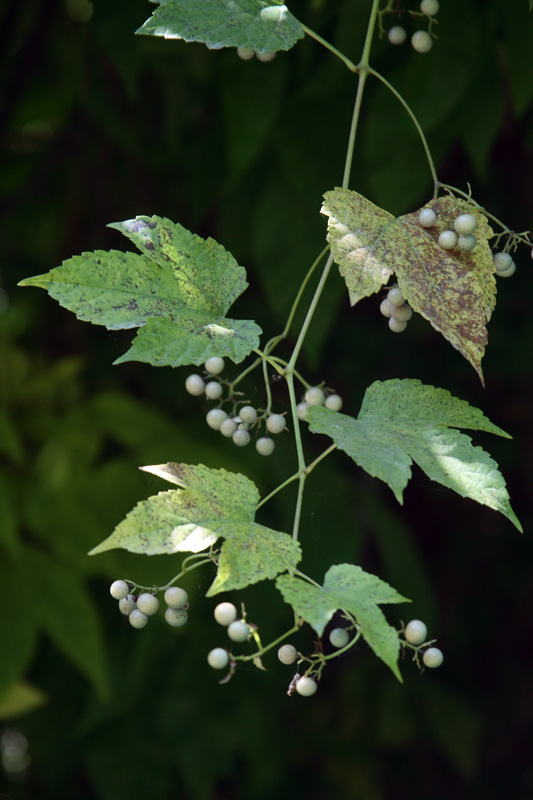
<point x="415" y="634"/>
<point x="138" y="608"/>
<point x="396" y="309"/>
<point x="247" y="53"/>
<point x="421" y="40"/>
<point x="461" y="236"/>
<point x="316" y="396"/>
<point x="238" y="631"/>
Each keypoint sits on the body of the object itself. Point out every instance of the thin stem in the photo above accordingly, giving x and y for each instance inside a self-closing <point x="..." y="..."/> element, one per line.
<point x="309" y="315"/>
<point x="300" y="454"/>
<point x="319" y="458"/>
<point x="351" y="66"/>
<point x="269" y="646"/>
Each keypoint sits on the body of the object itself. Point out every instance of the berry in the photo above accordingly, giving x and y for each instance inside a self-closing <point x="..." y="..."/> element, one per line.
<point x="502" y="261"/>
<point x="265" y="57"/>
<point x="148" y="604"/>
<point x="433" y="657"/>
<point x="395" y="296"/>
<point x="119" y="590"/>
<point x="429" y="7"/>
<point x="466" y="242"/>
<point x="126" y="605"/>
<point x="396" y="325"/>
<point x="246" y="53"/>
<point x="397" y="35"/>
<point x="415" y="631"/>
<point x="386" y="307"/>
<point x="273" y="13"/>
<point x="176" y="617"/>
<point x="427" y="218"/>
<point x="215" y="418"/>
<point x="213" y="390"/>
<point x="402" y="313"/>
<point x="276" y="423"/>
<point x="447" y="240"/>
<point x="228" y="427"/>
<point x="287" y="654"/>
<point x="175" y="597"/>
<point x="301" y="411"/>
<point x="195" y="385"/>
<point x="333" y="402"/>
<point x="465" y="223"/>
<point x="241" y="438"/>
<point x="315" y="396"/>
<point x="218" y="658"/>
<point x="238" y="631"/>
<point x="138" y="619"/>
<point x="248" y="414"/>
<point x="506" y="273"/>
<point x="339" y="637"/>
<point x="225" y="613"/>
<point x="265" y="446"/>
<point x="422" y="41"/>
<point x="214" y="365"/>
<point x="306" y="686"/>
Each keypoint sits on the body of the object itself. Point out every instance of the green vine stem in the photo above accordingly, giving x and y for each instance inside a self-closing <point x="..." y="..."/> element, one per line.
<point x="351" y="66"/>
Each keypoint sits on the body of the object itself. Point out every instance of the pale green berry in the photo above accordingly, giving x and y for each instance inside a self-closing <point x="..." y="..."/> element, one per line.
<point x="466" y="242"/>
<point x="225" y="613"/>
<point x="273" y="13"/>
<point x="214" y="365"/>
<point x="502" y="261"/>
<point x="433" y="657"/>
<point x="148" y="603"/>
<point x="176" y="597"/>
<point x="386" y="307"/>
<point x="213" y="390"/>
<point x="218" y="658"/>
<point x="506" y="273"/>
<point x="397" y="35"/>
<point x="126" y="605"/>
<point x="421" y="41"/>
<point x="228" y="427"/>
<point x="402" y="313"/>
<point x="315" y="396"/>
<point x="416" y="631"/>
<point x="238" y="631"/>
<point x="301" y="411"/>
<point x="215" y="418"/>
<point x="248" y="414"/>
<point x="287" y="654"/>
<point x="265" y="446"/>
<point x="447" y="240"/>
<point x="396" y="325"/>
<point x="119" y="590"/>
<point x="195" y="385"/>
<point x="276" y="423"/>
<point x="306" y="686"/>
<point x="465" y="223"/>
<point x="265" y="57"/>
<point x="138" y="619"/>
<point x="246" y="53"/>
<point x="395" y="296"/>
<point x="427" y="218"/>
<point x="429" y="7"/>
<point x="333" y="402"/>
<point x="339" y="637"/>
<point x="176" y="617"/>
<point x="241" y="438"/>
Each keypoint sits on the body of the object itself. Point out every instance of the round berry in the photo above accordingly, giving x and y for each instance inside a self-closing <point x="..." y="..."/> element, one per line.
<point x="395" y="296"/>
<point x="176" y="617"/>
<point x="265" y="57"/>
<point x="241" y="438"/>
<point x="396" y="325"/>
<point x="238" y="631"/>
<point x="429" y="7"/>
<point x="176" y="597"/>
<point x="502" y="261"/>
<point x="138" y="619"/>
<point x="333" y="402"/>
<point x="195" y="385"/>
<point x="246" y="53"/>
<point x="506" y="273"/>
<point x="339" y="637"/>
<point x="228" y="427"/>
<point x="265" y="446"/>
<point x="433" y="657"/>
<point x="215" y="418"/>
<point x="248" y="414"/>
<point x="148" y="604"/>
<point x="416" y="631"/>
<point x="225" y="613"/>
<point x="306" y="686"/>
<point x="427" y="218"/>
<point x="119" y="590"/>
<point x="402" y="313"/>
<point x="276" y="423"/>
<point x="465" y="223"/>
<point x="466" y="242"/>
<point x="287" y="654"/>
<point x="126" y="605"/>
<point x="218" y="658"/>
<point x="213" y="390"/>
<point x="447" y="240"/>
<point x="397" y="35"/>
<point x="301" y="411"/>
<point x="422" y="41"/>
<point x="214" y="365"/>
<point x="273" y="13"/>
<point x="386" y="307"/>
<point x="315" y="396"/>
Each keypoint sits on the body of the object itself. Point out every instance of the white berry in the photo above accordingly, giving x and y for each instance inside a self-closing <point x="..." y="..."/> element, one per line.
<point x="422" y="41"/>
<point x="433" y="657"/>
<point x="126" y="605"/>
<point x="416" y="632"/>
<point x="287" y="654"/>
<point x="429" y="7"/>
<point x="119" y="590"/>
<point x="148" y="603"/>
<point x="265" y="57"/>
<point x="466" y="242"/>
<point x="238" y="631"/>
<point x="246" y="53"/>
<point x="339" y="637"/>
<point x="138" y="619"/>
<point x="265" y="446"/>
<point x="386" y="307"/>
<point x="306" y="686"/>
<point x="396" y="325"/>
<point x="214" y="365"/>
<point x="225" y="613"/>
<point x="465" y="223"/>
<point x="395" y="296"/>
<point x="301" y="411"/>
<point x="397" y="35"/>
<point x="218" y="658"/>
<point x="241" y="438"/>
<point x="402" y="313"/>
<point x="195" y="385"/>
<point x="502" y="261"/>
<point x="276" y="423"/>
<point x="447" y="240"/>
<point x="215" y="418"/>
<point x="273" y="13"/>
<point x="506" y="273"/>
<point x="315" y="396"/>
<point x="176" y="617"/>
<point x="333" y="402"/>
<point x="213" y="390"/>
<point x="176" y="597"/>
<point x="248" y="414"/>
<point x="228" y="427"/>
<point x="427" y="218"/>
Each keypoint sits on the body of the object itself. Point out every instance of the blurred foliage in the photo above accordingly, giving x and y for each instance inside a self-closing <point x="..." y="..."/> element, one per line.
<point x="97" y="126"/>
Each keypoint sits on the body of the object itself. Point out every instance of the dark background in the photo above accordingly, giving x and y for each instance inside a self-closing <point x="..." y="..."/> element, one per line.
<point x="97" y="126"/>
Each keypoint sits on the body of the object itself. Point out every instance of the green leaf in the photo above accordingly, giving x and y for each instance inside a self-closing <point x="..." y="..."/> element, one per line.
<point x="179" y="289"/>
<point x="402" y="421"/>
<point x="21" y="698"/>
<point x="264" y="27"/>
<point x="454" y="291"/>
<point x="347" y="587"/>
<point x="210" y="504"/>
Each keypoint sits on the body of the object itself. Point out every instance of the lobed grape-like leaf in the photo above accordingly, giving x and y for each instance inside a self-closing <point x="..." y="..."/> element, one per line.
<point x="209" y="504"/>
<point x="177" y="292"/>
<point x="261" y="26"/>
<point x="402" y="421"/>
<point x="453" y="290"/>
<point x="349" y="588"/>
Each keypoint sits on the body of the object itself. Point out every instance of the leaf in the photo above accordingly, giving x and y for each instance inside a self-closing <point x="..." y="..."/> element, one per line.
<point x="21" y="698"/>
<point x="347" y="587"/>
<point x="264" y="27"/>
<point x="402" y="421"/>
<point x="179" y="290"/>
<point x="454" y="291"/>
<point x="210" y="504"/>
